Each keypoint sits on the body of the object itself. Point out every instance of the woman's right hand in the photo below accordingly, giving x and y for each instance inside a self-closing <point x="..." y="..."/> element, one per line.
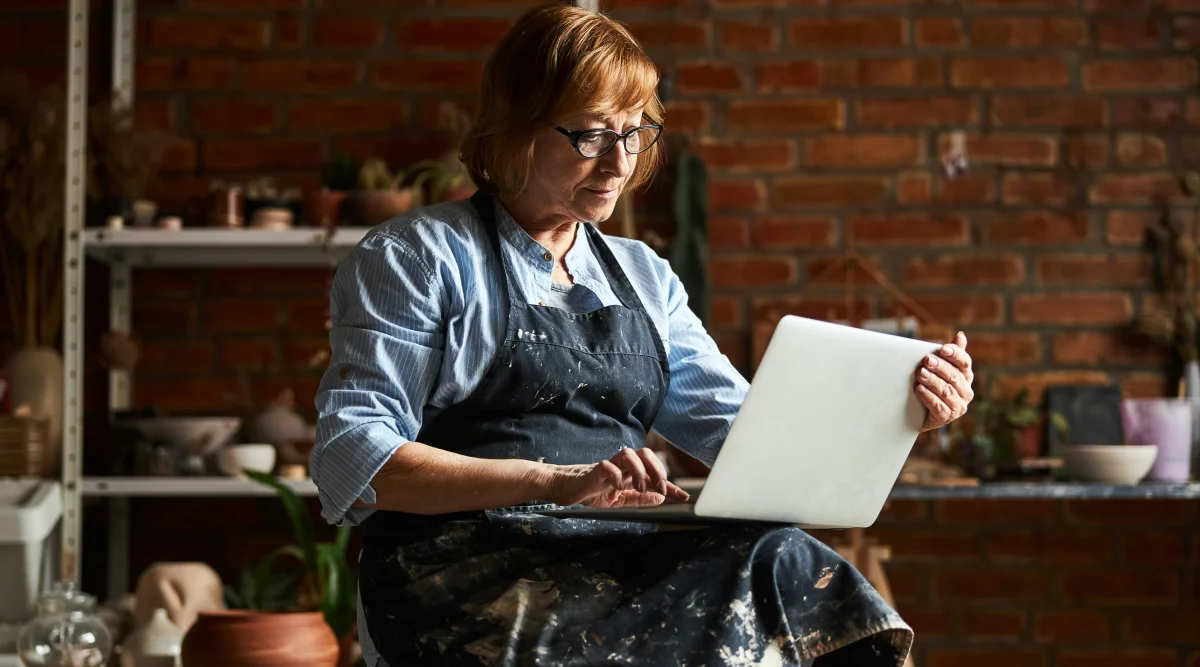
<point x="629" y="479"/>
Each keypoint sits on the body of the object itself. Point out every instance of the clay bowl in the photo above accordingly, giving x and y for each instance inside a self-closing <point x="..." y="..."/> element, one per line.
<point x="259" y="639"/>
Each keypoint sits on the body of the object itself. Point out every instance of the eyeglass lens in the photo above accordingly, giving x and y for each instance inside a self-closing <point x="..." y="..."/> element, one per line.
<point x="599" y="142"/>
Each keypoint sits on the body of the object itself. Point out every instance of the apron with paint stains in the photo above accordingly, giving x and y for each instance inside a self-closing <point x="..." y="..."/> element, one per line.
<point x="507" y="587"/>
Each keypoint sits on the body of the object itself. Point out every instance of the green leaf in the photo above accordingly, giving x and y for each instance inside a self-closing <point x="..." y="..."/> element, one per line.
<point x="297" y="512"/>
<point x="337" y="600"/>
<point x="1023" y="417"/>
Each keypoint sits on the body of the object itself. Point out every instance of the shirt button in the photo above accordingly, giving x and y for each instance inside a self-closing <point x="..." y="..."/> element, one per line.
<point x="344" y="374"/>
<point x="548" y="256"/>
<point x="541" y="303"/>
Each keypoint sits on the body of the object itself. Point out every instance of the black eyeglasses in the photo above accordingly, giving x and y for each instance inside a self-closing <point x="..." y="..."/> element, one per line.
<point x="595" y="143"/>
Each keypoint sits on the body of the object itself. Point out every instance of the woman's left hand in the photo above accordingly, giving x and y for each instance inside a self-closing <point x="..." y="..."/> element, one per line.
<point x="944" y="383"/>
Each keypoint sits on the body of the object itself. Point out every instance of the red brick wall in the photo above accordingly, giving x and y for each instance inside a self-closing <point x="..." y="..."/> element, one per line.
<point x="823" y="122"/>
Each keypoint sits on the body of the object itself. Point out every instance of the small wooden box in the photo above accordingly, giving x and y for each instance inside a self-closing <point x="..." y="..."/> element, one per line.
<point x="22" y="446"/>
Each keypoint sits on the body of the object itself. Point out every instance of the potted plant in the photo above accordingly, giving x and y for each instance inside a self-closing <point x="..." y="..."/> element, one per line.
<point x="338" y="179"/>
<point x="295" y="606"/>
<point x="996" y="433"/>
<point x="380" y="195"/>
<point x="270" y="205"/>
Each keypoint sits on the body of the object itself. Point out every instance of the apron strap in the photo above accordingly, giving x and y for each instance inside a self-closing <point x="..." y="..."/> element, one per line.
<point x="619" y="282"/>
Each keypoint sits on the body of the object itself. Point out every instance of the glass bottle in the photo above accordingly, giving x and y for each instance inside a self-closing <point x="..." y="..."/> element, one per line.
<point x="66" y="632"/>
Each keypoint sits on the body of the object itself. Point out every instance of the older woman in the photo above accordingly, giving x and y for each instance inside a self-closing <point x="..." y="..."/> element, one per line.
<point x="498" y="354"/>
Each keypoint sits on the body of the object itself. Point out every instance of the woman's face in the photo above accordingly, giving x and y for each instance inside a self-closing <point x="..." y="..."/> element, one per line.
<point x="564" y="186"/>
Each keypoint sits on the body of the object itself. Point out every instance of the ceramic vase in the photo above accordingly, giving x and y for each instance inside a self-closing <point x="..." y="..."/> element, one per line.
<point x="260" y="639"/>
<point x="35" y="377"/>
<point x="1191" y="374"/>
<point x="155" y="644"/>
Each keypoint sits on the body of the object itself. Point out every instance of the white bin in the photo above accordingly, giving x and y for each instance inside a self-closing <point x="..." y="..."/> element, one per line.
<point x="30" y="509"/>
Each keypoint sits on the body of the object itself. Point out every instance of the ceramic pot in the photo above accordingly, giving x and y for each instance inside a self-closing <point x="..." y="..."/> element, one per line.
<point x="155" y="644"/>
<point x="372" y="207"/>
<point x="260" y="639"/>
<point x="35" y="377"/>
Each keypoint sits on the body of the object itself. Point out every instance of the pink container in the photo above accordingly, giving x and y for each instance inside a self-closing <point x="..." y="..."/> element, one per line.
<point x="1164" y="422"/>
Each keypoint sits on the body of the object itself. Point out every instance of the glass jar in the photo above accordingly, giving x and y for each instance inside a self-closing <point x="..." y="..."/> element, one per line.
<point x="66" y="632"/>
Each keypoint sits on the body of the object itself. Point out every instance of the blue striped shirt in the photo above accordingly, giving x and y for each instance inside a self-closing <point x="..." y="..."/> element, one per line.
<point x="417" y="314"/>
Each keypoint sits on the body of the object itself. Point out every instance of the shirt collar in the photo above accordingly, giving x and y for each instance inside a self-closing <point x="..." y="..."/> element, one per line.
<point x="520" y="239"/>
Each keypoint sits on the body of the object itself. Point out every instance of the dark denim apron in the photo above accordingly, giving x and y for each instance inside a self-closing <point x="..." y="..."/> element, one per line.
<point x="508" y="587"/>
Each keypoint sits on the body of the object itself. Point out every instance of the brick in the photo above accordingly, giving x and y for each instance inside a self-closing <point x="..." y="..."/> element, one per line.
<point x="734" y="346"/>
<point x="726" y="232"/>
<point x="1038" y="189"/>
<point x="965" y="270"/>
<point x="249" y="154"/>
<point x="224" y="316"/>
<point x="1094" y="347"/>
<point x="306" y="315"/>
<point x="862" y="151"/>
<point x="972" y="188"/>
<point x="1051" y="547"/>
<point x="1074" y="626"/>
<point x="1189" y="151"/>
<point x="828" y="191"/>
<point x="1023" y="4"/>
<point x="1116" y="512"/>
<point x="428" y="75"/>
<point x="185" y="395"/>
<point x="1093" y="270"/>
<point x="740" y="155"/>
<point x="689" y="116"/>
<point x="934" y="544"/>
<point x="787" y="76"/>
<point x="1141" y="74"/>
<point x="164" y="317"/>
<point x="749" y="37"/>
<point x="1035" y="227"/>
<point x="1143" y="112"/>
<point x="993" y="624"/>
<point x="247" y="4"/>
<point x="1140" y="587"/>
<point x="402" y="150"/>
<point x="916" y="112"/>
<point x="300" y="76"/>
<point x="990" y="349"/>
<point x="1175" y="626"/>
<point x="753" y="270"/>
<point x="955" y="309"/>
<point x="1139" y="657"/>
<point x="1049" y="111"/>
<point x="908" y="229"/>
<point x="882" y="73"/>
<point x="976" y="512"/>
<point x="769" y="310"/>
<point x="335" y="115"/>
<point x="183" y="283"/>
<point x="184" y="73"/>
<point x="307" y="353"/>
<point x="757" y="116"/>
<point x="726" y="195"/>
<point x="233" y="115"/>
<point x="1141" y="150"/>
<point x="1073" y="308"/>
<point x="1187" y="33"/>
<point x="725" y="311"/>
<point x="930" y="622"/>
<point x="439" y="36"/>
<point x="943" y="657"/>
<point x="904" y="510"/>
<point x="1128" y="35"/>
<point x="273" y="281"/>
<point x="1013" y="150"/>
<point x="1139" y="188"/>
<point x="1152" y="548"/>
<point x="175" y="356"/>
<point x="347" y="33"/>
<point x="811" y="231"/>
<point x="1116" y="5"/>
<point x="989" y="585"/>
<point x="834" y="272"/>
<point x="744" y="3"/>
<point x="881" y="32"/>
<point x="179" y="155"/>
<point x="250" y="354"/>
<point x="1145" y="385"/>
<point x="1037" y="383"/>
<point x="1083" y="153"/>
<point x="1028" y="32"/>
<point x="940" y="33"/>
<point x="676" y="35"/>
<point x="1010" y="73"/>
<point x="708" y="77"/>
<point x="208" y="34"/>
<point x="914" y="187"/>
<point x="289" y="33"/>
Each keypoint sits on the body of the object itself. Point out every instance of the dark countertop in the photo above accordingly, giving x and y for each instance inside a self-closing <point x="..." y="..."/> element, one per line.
<point x="1046" y="490"/>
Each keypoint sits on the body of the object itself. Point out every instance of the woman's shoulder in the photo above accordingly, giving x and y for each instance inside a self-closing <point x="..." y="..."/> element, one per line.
<point x="637" y="255"/>
<point x="435" y="235"/>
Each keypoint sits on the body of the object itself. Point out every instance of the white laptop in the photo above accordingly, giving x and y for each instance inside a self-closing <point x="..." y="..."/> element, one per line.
<point x="829" y="420"/>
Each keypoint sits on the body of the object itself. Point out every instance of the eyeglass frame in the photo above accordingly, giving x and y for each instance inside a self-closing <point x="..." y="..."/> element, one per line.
<point x="622" y="138"/>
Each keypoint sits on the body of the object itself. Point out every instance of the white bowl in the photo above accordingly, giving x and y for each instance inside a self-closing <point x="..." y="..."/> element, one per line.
<point x="197" y="436"/>
<point x="1114" y="464"/>
<point x="234" y="459"/>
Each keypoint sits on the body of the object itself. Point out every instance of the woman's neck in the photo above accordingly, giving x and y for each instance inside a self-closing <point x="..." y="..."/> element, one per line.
<point x="555" y="232"/>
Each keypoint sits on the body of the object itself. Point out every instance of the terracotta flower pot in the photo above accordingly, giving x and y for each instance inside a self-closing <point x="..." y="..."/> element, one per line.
<point x="259" y="639"/>
<point x="372" y="207"/>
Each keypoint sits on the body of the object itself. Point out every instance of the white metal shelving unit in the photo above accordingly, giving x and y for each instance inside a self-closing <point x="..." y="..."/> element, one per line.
<point x="123" y="251"/>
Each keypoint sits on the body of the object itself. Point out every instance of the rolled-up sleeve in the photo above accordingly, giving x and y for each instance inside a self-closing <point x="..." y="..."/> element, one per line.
<point x="706" y="391"/>
<point x="386" y="350"/>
